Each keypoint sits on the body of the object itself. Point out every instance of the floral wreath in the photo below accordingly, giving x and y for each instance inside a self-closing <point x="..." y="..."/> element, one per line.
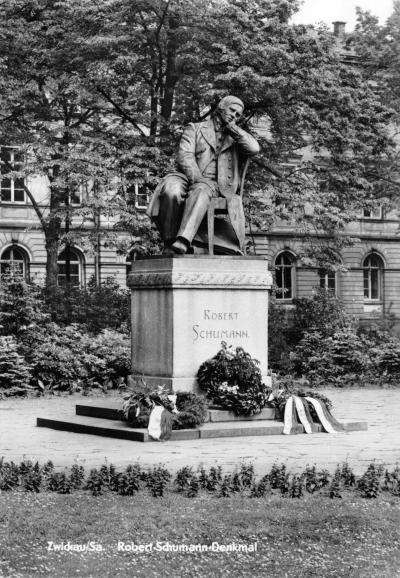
<point x="233" y="380"/>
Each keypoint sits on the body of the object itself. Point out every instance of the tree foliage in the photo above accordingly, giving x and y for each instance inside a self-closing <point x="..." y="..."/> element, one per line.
<point x="98" y="92"/>
<point x="378" y="50"/>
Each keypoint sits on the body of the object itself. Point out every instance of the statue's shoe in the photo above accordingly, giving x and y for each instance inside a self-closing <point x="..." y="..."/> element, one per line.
<point x="168" y="251"/>
<point x="179" y="247"/>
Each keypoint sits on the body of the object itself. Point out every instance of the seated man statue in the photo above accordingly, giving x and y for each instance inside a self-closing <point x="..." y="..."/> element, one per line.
<point x="211" y="155"/>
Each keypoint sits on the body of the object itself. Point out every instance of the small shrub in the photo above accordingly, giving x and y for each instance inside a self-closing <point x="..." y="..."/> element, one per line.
<point x="237" y="485"/>
<point x="391" y="482"/>
<point x="9" y="476"/>
<point x="203" y="478"/>
<point x="313" y="480"/>
<point x="261" y="489"/>
<point x="32" y="481"/>
<point x="183" y="478"/>
<point x="335" y="487"/>
<point x="247" y="475"/>
<point x="77" y="476"/>
<point x="279" y="478"/>
<point x="347" y="475"/>
<point x="225" y="487"/>
<point x="214" y="478"/>
<point x="296" y="487"/>
<point x="370" y="483"/>
<point x="194" y="487"/>
<point x="129" y="481"/>
<point x="48" y="468"/>
<point x="15" y="373"/>
<point x="157" y="480"/>
<point x="60" y="482"/>
<point x="96" y="483"/>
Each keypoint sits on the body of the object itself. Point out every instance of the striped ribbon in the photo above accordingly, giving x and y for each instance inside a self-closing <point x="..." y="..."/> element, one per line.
<point x="160" y="423"/>
<point x="297" y="408"/>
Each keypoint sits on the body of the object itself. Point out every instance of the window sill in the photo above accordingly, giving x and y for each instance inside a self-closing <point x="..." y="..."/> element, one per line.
<point x="373" y="307"/>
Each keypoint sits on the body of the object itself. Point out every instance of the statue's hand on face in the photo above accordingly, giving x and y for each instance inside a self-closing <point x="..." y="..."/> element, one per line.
<point x="230" y="115"/>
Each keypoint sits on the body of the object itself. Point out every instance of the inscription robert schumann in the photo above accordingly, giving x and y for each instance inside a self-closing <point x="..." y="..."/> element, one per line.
<point x="201" y="333"/>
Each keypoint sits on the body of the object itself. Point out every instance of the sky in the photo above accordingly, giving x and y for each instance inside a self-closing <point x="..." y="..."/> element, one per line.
<point x="315" y="11"/>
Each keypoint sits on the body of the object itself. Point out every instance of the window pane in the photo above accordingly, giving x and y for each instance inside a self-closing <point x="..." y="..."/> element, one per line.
<point x="279" y="277"/>
<point x="75" y="198"/>
<point x="18" y="157"/>
<point x="332" y="282"/>
<point x="17" y="255"/>
<point x="366" y="284"/>
<point x="288" y="282"/>
<point x="6" y="256"/>
<point x="72" y="256"/>
<point x="5" y="195"/>
<point x="374" y="284"/>
<point x="5" y="152"/>
<point x="19" y="196"/>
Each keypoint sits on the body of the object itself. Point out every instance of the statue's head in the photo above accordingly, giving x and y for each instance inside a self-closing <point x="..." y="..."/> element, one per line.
<point x="230" y="108"/>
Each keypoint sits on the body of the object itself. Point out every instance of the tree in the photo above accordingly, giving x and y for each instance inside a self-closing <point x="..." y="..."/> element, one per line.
<point x="60" y="127"/>
<point x="100" y="91"/>
<point x="378" y="50"/>
<point x="161" y="64"/>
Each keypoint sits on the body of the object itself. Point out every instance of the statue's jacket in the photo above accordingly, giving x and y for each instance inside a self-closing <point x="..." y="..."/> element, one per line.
<point x="197" y="150"/>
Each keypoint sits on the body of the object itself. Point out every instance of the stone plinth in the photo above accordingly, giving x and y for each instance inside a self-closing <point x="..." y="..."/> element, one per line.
<point x="184" y="306"/>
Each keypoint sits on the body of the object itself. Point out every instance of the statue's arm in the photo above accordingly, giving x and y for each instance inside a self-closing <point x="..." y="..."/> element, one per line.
<point x="247" y="143"/>
<point x="187" y="154"/>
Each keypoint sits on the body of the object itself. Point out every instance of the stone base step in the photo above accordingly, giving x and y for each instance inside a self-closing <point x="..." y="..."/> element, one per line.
<point x="112" y="410"/>
<point x="118" y="429"/>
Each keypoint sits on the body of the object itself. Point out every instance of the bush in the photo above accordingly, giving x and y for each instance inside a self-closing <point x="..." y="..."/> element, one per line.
<point x="326" y="358"/>
<point x="15" y="373"/>
<point x="66" y="358"/>
<point x="323" y="313"/>
<point x="21" y="303"/>
<point x="95" y="307"/>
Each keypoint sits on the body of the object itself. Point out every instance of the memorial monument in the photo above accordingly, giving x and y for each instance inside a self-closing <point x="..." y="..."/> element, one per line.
<point x="185" y="302"/>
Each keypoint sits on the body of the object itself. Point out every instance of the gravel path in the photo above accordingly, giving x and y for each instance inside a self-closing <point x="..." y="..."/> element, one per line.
<point x="20" y="437"/>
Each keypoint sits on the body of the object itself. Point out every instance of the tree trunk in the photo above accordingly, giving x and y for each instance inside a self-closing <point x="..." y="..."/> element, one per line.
<point x="53" y="233"/>
<point x="171" y="77"/>
<point x="51" y="263"/>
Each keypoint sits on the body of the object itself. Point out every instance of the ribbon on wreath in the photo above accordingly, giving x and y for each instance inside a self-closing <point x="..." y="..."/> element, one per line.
<point x="298" y="409"/>
<point x="160" y="421"/>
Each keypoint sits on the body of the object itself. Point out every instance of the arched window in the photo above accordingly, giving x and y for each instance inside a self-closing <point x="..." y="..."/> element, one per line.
<point x="373" y="266"/>
<point x="284" y="275"/>
<point x="16" y="256"/>
<point x="75" y="268"/>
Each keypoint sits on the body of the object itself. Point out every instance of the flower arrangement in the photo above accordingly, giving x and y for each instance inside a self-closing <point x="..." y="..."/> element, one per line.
<point x="188" y="410"/>
<point x="233" y="380"/>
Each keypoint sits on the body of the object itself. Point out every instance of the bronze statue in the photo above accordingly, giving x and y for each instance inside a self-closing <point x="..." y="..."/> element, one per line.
<point x="211" y="158"/>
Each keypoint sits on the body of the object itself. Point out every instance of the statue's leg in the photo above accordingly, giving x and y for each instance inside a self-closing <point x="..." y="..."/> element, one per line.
<point x="196" y="206"/>
<point x="172" y="202"/>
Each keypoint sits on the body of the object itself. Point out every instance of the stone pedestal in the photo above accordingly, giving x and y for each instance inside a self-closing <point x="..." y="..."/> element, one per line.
<point x="184" y="306"/>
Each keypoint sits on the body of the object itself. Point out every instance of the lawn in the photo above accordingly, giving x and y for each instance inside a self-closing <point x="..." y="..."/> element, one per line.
<point x="309" y="537"/>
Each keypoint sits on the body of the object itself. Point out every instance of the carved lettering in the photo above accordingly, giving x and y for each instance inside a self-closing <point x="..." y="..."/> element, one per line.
<point x="215" y="334"/>
<point x="216" y="316"/>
